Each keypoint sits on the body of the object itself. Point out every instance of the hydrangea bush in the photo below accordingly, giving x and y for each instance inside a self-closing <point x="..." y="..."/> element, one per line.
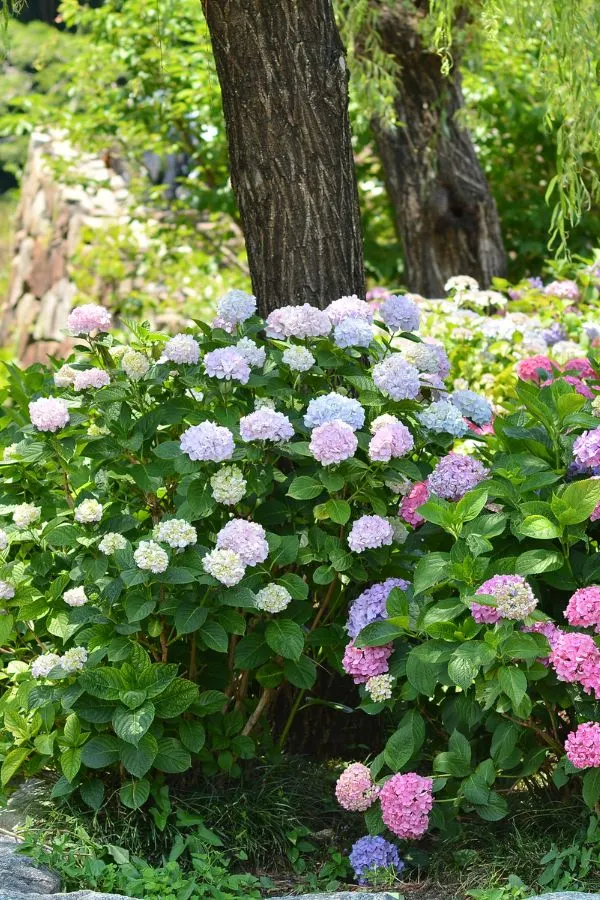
<point x="184" y="521"/>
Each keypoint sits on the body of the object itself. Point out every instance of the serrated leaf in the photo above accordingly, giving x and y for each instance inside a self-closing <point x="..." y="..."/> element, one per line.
<point x="135" y="793"/>
<point x="285" y="637"/>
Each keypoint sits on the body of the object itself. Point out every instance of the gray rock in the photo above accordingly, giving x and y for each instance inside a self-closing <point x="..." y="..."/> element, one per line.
<point x="77" y="895"/>
<point x="19" y="873"/>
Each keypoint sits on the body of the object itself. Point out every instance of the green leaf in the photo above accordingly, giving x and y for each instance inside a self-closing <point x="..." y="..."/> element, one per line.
<point x="215" y="637"/>
<point x="192" y="735"/>
<point x="285" y="637"/>
<point x="533" y="562"/>
<point x="456" y="760"/>
<point x="132" y="724"/>
<point x="514" y="684"/>
<point x="304" y="488"/>
<point x="539" y="527"/>
<point x="373" y="821"/>
<point x="135" y="793"/>
<point x="469" y="506"/>
<point x="462" y="672"/>
<point x="302" y="673"/>
<point x="70" y="762"/>
<point x="101" y="752"/>
<point x="376" y="634"/>
<point x="424" y="665"/>
<point x="431" y="569"/>
<point x="209" y="702"/>
<point x="251" y="652"/>
<point x="92" y="793"/>
<point x="297" y="587"/>
<point x="138" y="760"/>
<point x="12" y="762"/>
<point x="338" y="511"/>
<point x="178" y="697"/>
<point x="189" y="616"/>
<point x="172" y="757"/>
<point x="405" y="741"/>
<point x="591" y="787"/>
<point x="578" y="501"/>
<point x="177" y="575"/>
<point x="103" y="683"/>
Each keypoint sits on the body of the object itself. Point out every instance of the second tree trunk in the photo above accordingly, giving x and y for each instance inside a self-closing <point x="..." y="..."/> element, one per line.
<point x="445" y="215"/>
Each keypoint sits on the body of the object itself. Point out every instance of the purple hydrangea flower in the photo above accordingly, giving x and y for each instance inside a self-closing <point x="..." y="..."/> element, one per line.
<point x="266" y="425"/>
<point x="473" y="406"/>
<point x="332" y="406"/>
<point x="353" y="333"/>
<point x="443" y="359"/>
<point x="400" y="313"/>
<point x="586" y="449"/>
<point x="371" y="853"/>
<point x="227" y="364"/>
<point x="370" y="532"/>
<point x="397" y="378"/>
<point x="298" y="321"/>
<point x="566" y="290"/>
<point x="247" y="539"/>
<point x="456" y="475"/>
<point x="333" y="442"/>
<point x="554" y="333"/>
<point x="207" y="442"/>
<point x="370" y="606"/>
<point x="351" y="307"/>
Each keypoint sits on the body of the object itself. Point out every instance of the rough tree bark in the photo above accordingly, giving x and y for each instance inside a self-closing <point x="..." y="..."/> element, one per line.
<point x="445" y="214"/>
<point x="284" y="84"/>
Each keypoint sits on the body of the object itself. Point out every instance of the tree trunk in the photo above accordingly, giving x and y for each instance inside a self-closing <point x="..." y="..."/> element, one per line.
<point x="284" y="84"/>
<point x="446" y="217"/>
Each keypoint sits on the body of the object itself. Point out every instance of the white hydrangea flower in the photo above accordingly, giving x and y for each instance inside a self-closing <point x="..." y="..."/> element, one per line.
<point x="460" y="283"/>
<point x="135" y="364"/>
<point x="118" y="351"/>
<point x="43" y="665"/>
<point x="10" y="453"/>
<point x="3" y="540"/>
<point x="111" y="542"/>
<point x="74" y="660"/>
<point x="273" y="598"/>
<point x="88" y="511"/>
<point x="379" y="688"/>
<point x="380" y="421"/>
<point x="7" y="591"/>
<point x="254" y="355"/>
<point x="224" y="565"/>
<point x="228" y="485"/>
<point x="75" y="597"/>
<point x="150" y="557"/>
<point x="175" y="533"/>
<point x="422" y="356"/>
<point x="563" y="351"/>
<point x="299" y="359"/>
<point x="65" y="376"/>
<point x="26" y="514"/>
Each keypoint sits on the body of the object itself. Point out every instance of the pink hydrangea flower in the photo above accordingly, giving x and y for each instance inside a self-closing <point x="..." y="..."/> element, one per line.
<point x="417" y="496"/>
<point x="355" y="790"/>
<point x="579" y="385"/>
<point x="391" y="441"/>
<point x="333" y="442"/>
<point x="586" y="449"/>
<point x="266" y="425"/>
<point x="487" y="615"/>
<point x="581" y="366"/>
<point x="596" y="514"/>
<point x="481" y="429"/>
<point x="363" y="662"/>
<point x="227" y="364"/>
<point x="182" y="348"/>
<point x="351" y="307"/>
<point x="87" y="318"/>
<point x="514" y="598"/>
<point x="583" y="746"/>
<point x="529" y="369"/>
<point x="91" y="378"/>
<point x="48" y="414"/>
<point x="550" y="631"/>
<point x="370" y="532"/>
<point x="298" y="321"/>
<point x="247" y="539"/>
<point x="406" y="801"/>
<point x="583" y="608"/>
<point x="576" y="658"/>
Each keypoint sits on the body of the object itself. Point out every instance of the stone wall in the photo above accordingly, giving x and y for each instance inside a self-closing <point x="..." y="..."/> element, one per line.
<point x="48" y="227"/>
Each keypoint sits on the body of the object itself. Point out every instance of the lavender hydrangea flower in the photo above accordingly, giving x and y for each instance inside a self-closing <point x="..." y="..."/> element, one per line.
<point x="372" y="853"/>
<point x="351" y="307"/>
<point x="443" y="417"/>
<point x="332" y="406"/>
<point x="397" y="378"/>
<point x="254" y="355"/>
<point x="370" y="606"/>
<point x="207" y="442"/>
<point x="333" y="442"/>
<point x="298" y="321"/>
<point x="422" y="356"/>
<point x="227" y="364"/>
<point x="391" y="440"/>
<point x="370" y="532"/>
<point x="586" y="449"/>
<point x="266" y="425"/>
<point x="443" y="369"/>
<point x="353" y="333"/>
<point x="566" y="290"/>
<point x="247" y="539"/>
<point x="236" y="306"/>
<point x="554" y="333"/>
<point x="400" y="313"/>
<point x="456" y="475"/>
<point x="473" y="406"/>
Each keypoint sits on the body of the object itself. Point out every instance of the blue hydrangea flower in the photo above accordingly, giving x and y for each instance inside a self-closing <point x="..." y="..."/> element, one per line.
<point x="473" y="406"/>
<point x="371" y="853"/>
<point x="397" y="378"/>
<point x="554" y="333"/>
<point x="400" y="313"/>
<point x="352" y="333"/>
<point x="334" y="406"/>
<point x="236" y="306"/>
<point x="443" y="417"/>
<point x="370" y="606"/>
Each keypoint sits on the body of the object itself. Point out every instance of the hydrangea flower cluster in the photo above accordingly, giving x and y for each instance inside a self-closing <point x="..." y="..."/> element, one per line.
<point x="473" y="406"/>
<point x="88" y="512"/>
<point x="227" y="364"/>
<point x="400" y="313"/>
<point x="586" y="449"/>
<point x="207" y="442"/>
<point x="88" y="318"/>
<point x="422" y="356"/>
<point x="371" y="605"/>
<point x="273" y="598"/>
<point x="372" y="854"/>
<point x="353" y="333"/>
<point x="379" y="688"/>
<point x="406" y="801"/>
<point x="3" y="540"/>
<point x="135" y="365"/>
<point x="298" y="321"/>
<point x="48" y="414"/>
<point x="370" y="532"/>
<point x="299" y="359"/>
<point x="65" y="376"/>
<point x="442" y="417"/>
<point x="7" y="591"/>
<point x="417" y="496"/>
<point x="329" y="407"/>
<point x="333" y="442"/>
<point x="91" y="378"/>
<point x="535" y="368"/>
<point x="26" y="514"/>
<point x="236" y="306"/>
<point x="455" y="475"/>
<point x="364" y="662"/>
<point x="355" y="790"/>
<point x="583" y="746"/>
<point x="397" y="378"/>
<point x="75" y="597"/>
<point x="183" y="348"/>
<point x="514" y="598"/>
<point x="583" y="608"/>
<point x="71" y="661"/>
<point x="576" y="658"/>
<point x="266" y="425"/>
<point x="566" y="290"/>
<point x="247" y="539"/>
<point x="111" y="542"/>
<point x="150" y="557"/>
<point x="177" y="533"/>
<point x="351" y="307"/>
<point x="390" y="441"/>
<point x="228" y="485"/>
<point x="254" y="355"/>
<point x="224" y="565"/>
